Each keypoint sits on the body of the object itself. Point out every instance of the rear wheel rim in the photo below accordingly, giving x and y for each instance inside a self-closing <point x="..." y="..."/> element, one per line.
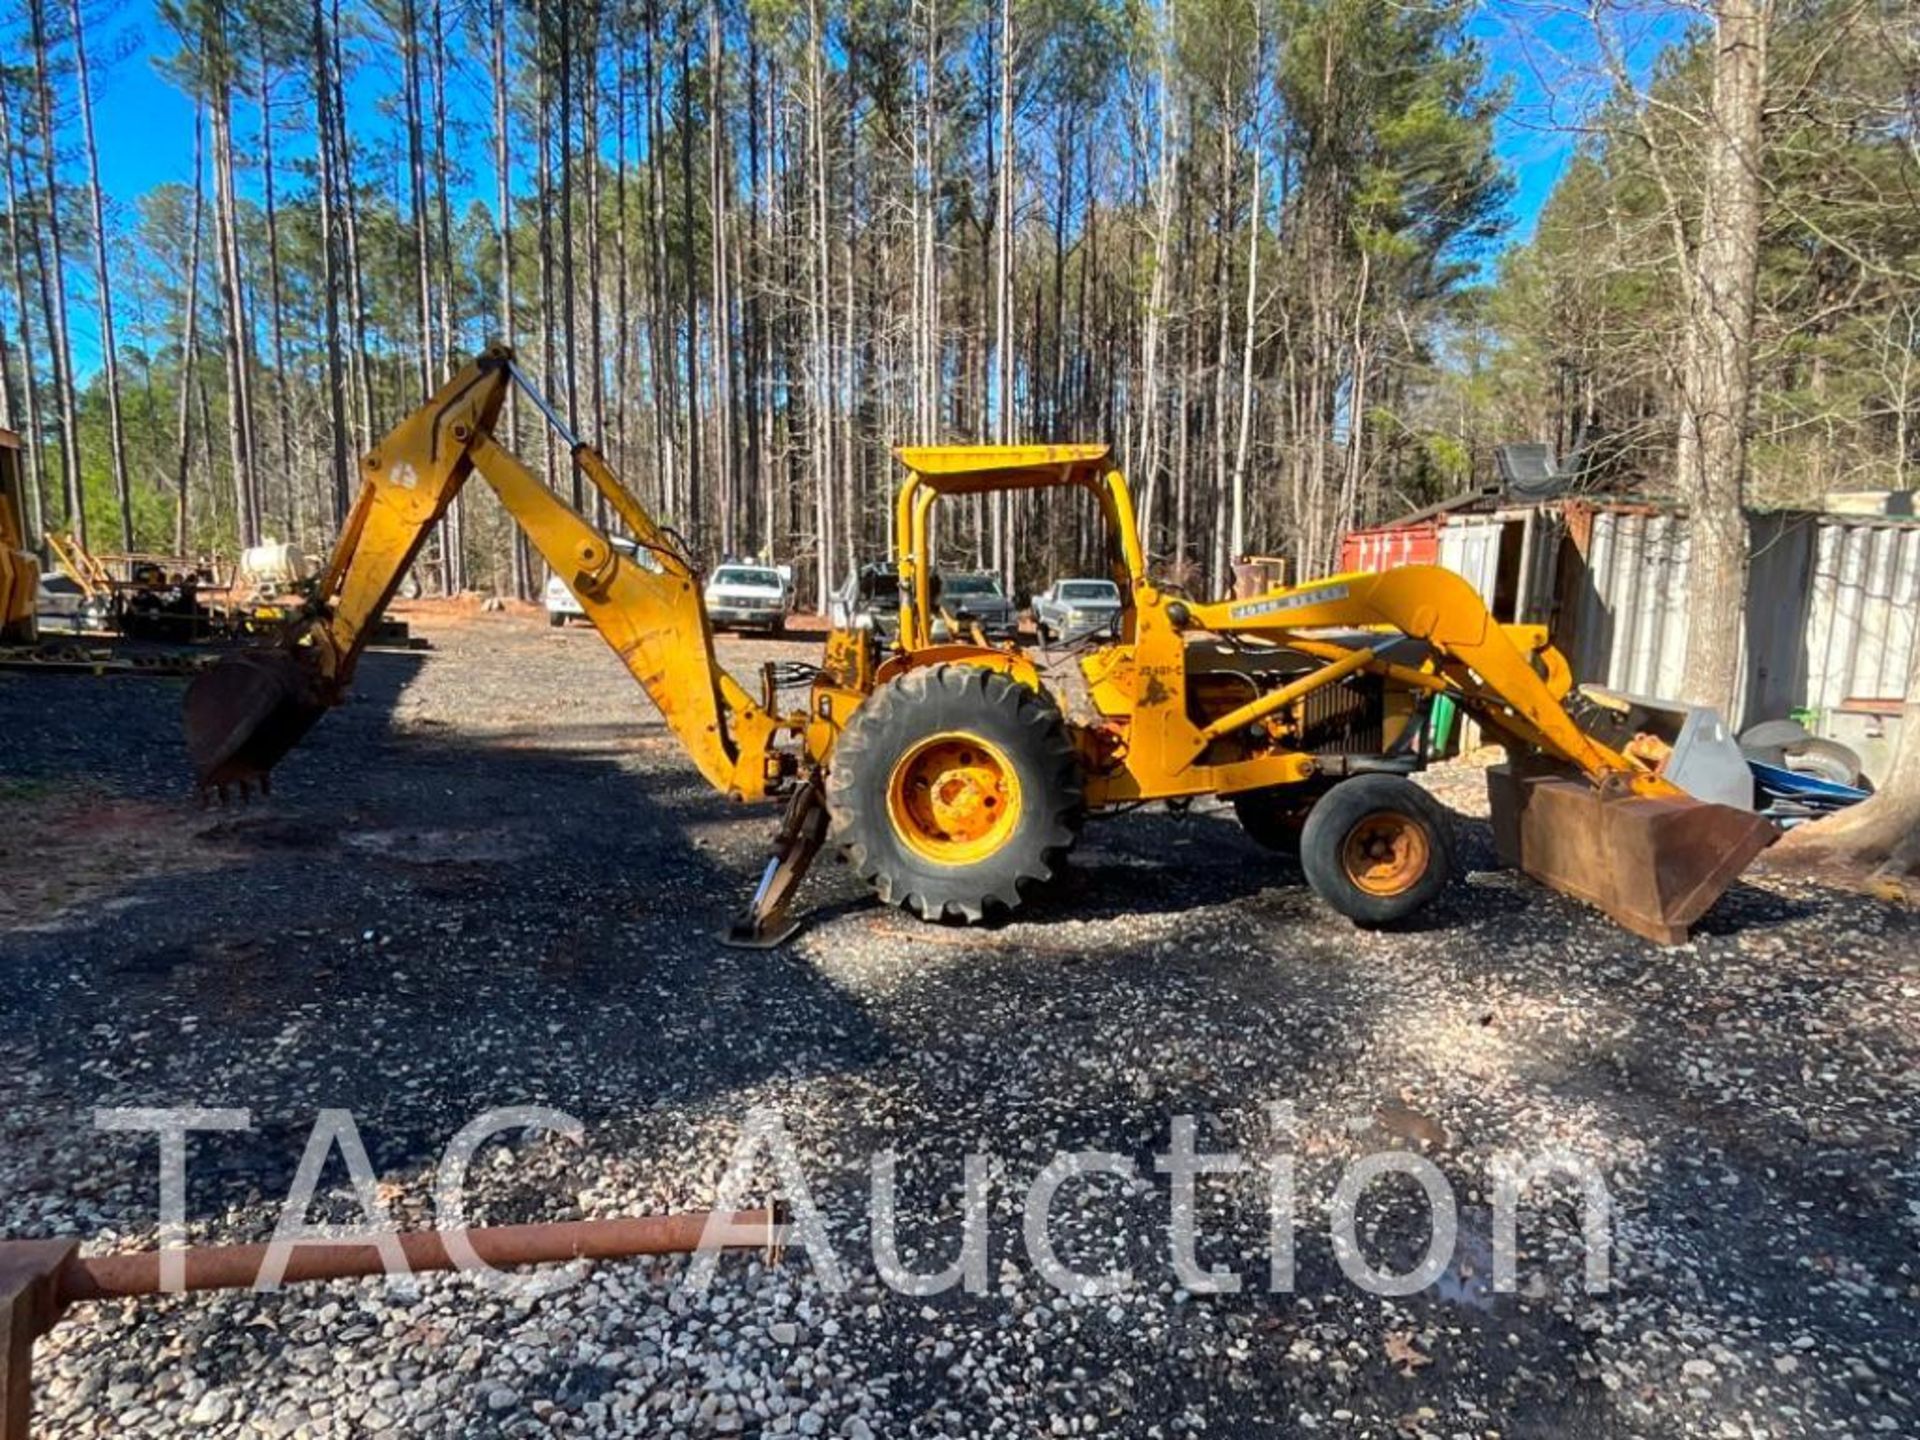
<point x="954" y="798"/>
<point x="1386" y="853"/>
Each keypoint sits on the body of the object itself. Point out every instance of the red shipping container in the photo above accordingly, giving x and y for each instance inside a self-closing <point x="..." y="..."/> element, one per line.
<point x="1385" y="546"/>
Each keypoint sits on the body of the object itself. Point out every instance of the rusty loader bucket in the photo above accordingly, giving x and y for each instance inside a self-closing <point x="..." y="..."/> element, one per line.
<point x="246" y="712"/>
<point x="1655" y="865"/>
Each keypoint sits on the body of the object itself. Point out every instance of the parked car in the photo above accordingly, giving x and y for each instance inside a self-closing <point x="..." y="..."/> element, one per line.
<point x="868" y="599"/>
<point x="62" y="604"/>
<point x="1073" y="609"/>
<point x="560" y="601"/>
<point x="741" y="596"/>
<point x="976" y="599"/>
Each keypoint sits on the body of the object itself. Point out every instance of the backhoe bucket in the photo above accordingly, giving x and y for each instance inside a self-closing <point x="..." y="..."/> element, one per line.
<point x="245" y="713"/>
<point x="1654" y="865"/>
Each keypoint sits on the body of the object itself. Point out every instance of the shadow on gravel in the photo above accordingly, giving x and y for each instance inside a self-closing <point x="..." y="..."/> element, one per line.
<point x="1154" y="864"/>
<point x="1151" y="863"/>
<point x="1747" y="908"/>
<point x="415" y="927"/>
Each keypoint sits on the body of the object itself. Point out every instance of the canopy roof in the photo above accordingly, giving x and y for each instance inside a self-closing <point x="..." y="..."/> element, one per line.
<point x="971" y="469"/>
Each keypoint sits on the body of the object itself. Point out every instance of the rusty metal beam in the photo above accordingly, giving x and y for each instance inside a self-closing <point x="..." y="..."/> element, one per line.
<point x="30" y="1272"/>
<point x="39" y="1279"/>
<point x="235" y="1267"/>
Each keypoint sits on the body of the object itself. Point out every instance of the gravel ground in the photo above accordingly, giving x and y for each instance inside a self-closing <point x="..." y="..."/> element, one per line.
<point x="492" y="880"/>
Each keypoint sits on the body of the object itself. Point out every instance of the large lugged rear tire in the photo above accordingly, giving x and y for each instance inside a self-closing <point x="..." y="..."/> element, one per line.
<point x="953" y="790"/>
<point x="1377" y="848"/>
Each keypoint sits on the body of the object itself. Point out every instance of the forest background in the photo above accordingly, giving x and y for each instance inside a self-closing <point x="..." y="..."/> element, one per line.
<point x="1302" y="263"/>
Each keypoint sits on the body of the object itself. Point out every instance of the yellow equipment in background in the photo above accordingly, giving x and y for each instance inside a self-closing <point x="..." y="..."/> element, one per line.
<point x="19" y="567"/>
<point x="951" y="774"/>
<point x="81" y="566"/>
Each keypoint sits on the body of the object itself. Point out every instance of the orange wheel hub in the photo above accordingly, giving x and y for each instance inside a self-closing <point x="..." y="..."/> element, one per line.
<point x="954" y="799"/>
<point x="1386" y="854"/>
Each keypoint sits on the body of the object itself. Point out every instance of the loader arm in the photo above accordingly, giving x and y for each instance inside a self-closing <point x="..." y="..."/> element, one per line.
<point x="244" y="714"/>
<point x="1477" y="658"/>
<point x="1566" y="809"/>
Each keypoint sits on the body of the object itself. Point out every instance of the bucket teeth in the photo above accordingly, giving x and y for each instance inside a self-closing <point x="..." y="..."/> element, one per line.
<point x="1655" y="865"/>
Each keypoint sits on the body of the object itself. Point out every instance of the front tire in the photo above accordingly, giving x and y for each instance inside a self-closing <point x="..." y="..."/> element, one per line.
<point x="954" y="790"/>
<point x="1377" y="848"/>
<point x="555" y="620"/>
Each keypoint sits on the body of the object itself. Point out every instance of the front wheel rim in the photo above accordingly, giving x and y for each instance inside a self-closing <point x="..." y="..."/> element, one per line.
<point x="1386" y="853"/>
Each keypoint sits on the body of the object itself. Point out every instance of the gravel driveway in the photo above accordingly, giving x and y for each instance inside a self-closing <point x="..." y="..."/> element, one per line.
<point x="492" y="880"/>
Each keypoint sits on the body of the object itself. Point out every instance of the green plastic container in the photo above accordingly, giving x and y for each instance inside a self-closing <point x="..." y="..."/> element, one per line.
<point x="1440" y="722"/>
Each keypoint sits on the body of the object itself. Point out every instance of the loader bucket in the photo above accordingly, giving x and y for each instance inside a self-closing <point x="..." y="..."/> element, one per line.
<point x="245" y="713"/>
<point x="1654" y="865"/>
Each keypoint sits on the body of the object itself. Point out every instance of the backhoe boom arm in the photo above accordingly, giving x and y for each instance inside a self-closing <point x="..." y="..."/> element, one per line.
<point x="243" y="715"/>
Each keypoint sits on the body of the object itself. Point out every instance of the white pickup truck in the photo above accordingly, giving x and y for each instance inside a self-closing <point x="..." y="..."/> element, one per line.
<point x="1073" y="609"/>
<point x="749" y="596"/>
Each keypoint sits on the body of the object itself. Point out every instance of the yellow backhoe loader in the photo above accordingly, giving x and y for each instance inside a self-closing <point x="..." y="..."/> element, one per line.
<point x="949" y="772"/>
<point x="19" y="566"/>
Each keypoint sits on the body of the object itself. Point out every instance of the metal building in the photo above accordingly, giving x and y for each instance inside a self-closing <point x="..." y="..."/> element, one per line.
<point x="1832" y="599"/>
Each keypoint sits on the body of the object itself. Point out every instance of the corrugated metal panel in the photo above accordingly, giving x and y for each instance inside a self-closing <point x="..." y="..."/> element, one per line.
<point x="1831" y="609"/>
<point x="1470" y="546"/>
<point x="1779" y="579"/>
<point x="1510" y="557"/>
<point x="1860" y="623"/>
<point x="1541" y="533"/>
<point x="1630" y="616"/>
<point x="1833" y="606"/>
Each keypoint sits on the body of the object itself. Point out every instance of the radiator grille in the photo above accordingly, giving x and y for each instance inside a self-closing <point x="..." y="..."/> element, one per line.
<point x="1345" y="719"/>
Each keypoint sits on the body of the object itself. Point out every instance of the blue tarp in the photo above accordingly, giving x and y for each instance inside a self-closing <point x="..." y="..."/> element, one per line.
<point x="1788" y="797"/>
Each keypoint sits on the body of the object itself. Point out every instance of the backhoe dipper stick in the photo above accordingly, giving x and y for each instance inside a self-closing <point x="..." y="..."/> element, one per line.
<point x="246" y="712"/>
<point x="39" y="1279"/>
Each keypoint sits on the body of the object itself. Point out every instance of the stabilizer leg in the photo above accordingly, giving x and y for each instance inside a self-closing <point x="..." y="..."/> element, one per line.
<point x="764" y="925"/>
